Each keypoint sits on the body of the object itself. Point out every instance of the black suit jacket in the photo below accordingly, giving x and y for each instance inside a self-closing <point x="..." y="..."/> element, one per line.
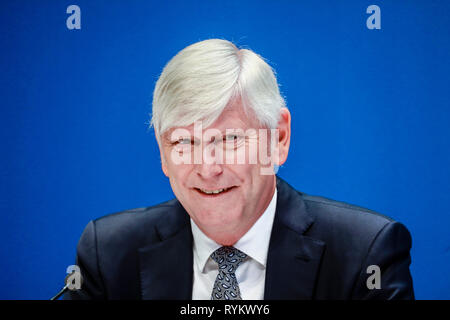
<point x="319" y="249"/>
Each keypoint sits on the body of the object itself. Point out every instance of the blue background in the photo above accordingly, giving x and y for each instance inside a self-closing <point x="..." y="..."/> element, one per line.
<point x="371" y="111"/>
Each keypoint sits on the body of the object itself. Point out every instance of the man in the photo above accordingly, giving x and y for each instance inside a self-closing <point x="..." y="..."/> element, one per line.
<point x="236" y="230"/>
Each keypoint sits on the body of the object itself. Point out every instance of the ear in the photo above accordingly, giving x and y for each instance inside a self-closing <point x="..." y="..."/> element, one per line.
<point x="284" y="136"/>
<point x="161" y="154"/>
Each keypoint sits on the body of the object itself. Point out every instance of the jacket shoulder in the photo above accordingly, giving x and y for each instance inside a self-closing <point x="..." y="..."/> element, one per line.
<point x="355" y="238"/>
<point x="134" y="227"/>
<point x="332" y="209"/>
<point x="348" y="230"/>
<point x="137" y="215"/>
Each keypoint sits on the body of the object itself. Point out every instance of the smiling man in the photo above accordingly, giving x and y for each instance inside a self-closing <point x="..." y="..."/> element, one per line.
<point x="235" y="229"/>
<point x="223" y="198"/>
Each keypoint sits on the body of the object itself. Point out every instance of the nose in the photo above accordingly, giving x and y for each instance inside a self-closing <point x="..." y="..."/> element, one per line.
<point x="209" y="167"/>
<point x="208" y="171"/>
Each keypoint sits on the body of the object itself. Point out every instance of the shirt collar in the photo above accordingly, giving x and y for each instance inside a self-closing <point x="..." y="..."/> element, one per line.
<point x="203" y="246"/>
<point x="254" y="243"/>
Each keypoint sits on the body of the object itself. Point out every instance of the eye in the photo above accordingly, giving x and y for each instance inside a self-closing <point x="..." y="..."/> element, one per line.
<point x="184" y="141"/>
<point x="183" y="145"/>
<point x="233" y="140"/>
<point x="231" y="137"/>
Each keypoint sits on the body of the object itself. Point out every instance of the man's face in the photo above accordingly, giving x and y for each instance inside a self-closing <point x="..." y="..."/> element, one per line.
<point x="223" y="197"/>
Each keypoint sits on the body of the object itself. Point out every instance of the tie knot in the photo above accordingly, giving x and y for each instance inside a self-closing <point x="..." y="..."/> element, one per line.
<point x="228" y="258"/>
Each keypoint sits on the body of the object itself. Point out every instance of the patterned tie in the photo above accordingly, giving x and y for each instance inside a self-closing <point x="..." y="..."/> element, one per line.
<point x="226" y="286"/>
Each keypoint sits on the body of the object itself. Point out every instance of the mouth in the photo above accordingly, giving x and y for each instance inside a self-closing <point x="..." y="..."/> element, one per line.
<point x="214" y="193"/>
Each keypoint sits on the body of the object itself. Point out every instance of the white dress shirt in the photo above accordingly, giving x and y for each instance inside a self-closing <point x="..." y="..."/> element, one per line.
<point x="251" y="274"/>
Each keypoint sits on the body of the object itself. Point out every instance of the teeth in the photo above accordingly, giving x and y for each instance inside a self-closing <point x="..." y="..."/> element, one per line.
<point x="213" y="191"/>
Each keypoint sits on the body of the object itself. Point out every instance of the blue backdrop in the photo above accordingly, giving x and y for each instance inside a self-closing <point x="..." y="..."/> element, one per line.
<point x="370" y="116"/>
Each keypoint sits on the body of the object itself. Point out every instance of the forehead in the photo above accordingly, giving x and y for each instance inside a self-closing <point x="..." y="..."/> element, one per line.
<point x="232" y="117"/>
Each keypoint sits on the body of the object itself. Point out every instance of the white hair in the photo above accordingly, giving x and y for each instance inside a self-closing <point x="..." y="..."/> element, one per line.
<point x="199" y="82"/>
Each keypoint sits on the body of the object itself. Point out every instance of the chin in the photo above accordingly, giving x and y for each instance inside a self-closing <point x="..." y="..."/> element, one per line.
<point x="217" y="218"/>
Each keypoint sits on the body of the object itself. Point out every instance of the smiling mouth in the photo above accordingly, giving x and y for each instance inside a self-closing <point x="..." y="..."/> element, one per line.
<point x="213" y="192"/>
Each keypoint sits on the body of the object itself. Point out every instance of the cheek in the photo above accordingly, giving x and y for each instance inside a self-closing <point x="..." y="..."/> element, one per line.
<point x="178" y="187"/>
<point x="248" y="176"/>
<point x="258" y="178"/>
<point x="178" y="176"/>
<point x="174" y="169"/>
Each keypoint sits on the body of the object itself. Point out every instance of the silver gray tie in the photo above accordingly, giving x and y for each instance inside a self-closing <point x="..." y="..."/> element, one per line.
<point x="226" y="286"/>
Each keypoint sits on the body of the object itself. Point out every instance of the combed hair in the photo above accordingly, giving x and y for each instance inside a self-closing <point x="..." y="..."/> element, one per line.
<point x="200" y="81"/>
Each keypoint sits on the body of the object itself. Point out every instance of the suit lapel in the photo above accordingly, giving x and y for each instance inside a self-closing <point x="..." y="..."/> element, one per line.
<point x="166" y="267"/>
<point x="293" y="258"/>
